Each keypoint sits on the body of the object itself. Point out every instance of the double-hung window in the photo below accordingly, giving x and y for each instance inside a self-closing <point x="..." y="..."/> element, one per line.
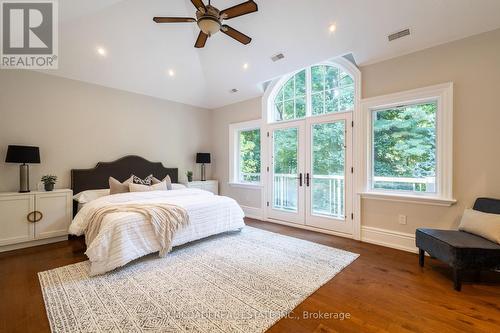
<point x="245" y="151"/>
<point x="409" y="139"/>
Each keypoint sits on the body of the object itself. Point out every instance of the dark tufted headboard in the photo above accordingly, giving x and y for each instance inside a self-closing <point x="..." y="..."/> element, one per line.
<point x="98" y="177"/>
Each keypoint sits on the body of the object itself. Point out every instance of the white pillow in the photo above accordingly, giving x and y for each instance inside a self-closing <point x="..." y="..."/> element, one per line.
<point x="145" y="188"/>
<point x="176" y="186"/>
<point x="89" y="195"/>
<point x="481" y="224"/>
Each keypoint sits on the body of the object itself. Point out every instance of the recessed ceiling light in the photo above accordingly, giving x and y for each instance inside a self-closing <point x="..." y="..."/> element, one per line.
<point x="102" y="51"/>
<point x="333" y="27"/>
<point x="171" y="73"/>
<point x="245" y="66"/>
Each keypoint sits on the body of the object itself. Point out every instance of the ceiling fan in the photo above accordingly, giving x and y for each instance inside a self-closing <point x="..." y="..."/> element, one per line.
<point x="209" y="20"/>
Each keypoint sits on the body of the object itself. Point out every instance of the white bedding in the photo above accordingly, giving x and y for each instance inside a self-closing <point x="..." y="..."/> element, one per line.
<point x="127" y="236"/>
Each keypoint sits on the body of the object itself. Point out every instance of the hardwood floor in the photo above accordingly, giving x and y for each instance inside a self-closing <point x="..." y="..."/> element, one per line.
<point x="384" y="290"/>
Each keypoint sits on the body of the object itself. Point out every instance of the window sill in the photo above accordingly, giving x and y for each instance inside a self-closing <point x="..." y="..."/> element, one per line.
<point x="416" y="199"/>
<point x="246" y="185"/>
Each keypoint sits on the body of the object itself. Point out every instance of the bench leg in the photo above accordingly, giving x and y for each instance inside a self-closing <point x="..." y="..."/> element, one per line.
<point x="477" y="276"/>
<point x="421" y="257"/>
<point x="457" y="279"/>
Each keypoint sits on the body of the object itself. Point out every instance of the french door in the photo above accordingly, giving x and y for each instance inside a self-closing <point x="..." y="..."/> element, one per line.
<point x="310" y="179"/>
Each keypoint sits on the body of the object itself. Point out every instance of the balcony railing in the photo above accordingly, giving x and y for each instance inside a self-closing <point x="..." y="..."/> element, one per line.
<point x="328" y="195"/>
<point x="248" y="177"/>
<point x="285" y="192"/>
<point x="425" y="184"/>
<point x="328" y="192"/>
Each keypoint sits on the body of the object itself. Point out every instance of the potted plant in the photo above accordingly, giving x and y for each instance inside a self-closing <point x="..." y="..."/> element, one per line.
<point x="49" y="181"/>
<point x="189" y="175"/>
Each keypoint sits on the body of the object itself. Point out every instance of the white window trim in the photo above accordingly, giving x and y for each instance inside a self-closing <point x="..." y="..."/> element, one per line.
<point x="234" y="162"/>
<point x="443" y="94"/>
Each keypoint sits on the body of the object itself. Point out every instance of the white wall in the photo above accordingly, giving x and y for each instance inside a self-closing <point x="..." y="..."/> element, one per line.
<point x="76" y="125"/>
<point x="235" y="113"/>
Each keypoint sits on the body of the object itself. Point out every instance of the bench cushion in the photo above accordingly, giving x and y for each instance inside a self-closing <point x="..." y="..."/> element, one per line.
<point x="459" y="249"/>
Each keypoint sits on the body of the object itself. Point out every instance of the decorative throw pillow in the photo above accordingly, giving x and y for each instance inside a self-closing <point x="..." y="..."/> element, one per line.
<point x="166" y="179"/>
<point x="162" y="186"/>
<point x="116" y="187"/>
<point x="146" y="181"/>
<point x="89" y="195"/>
<point x="481" y="224"/>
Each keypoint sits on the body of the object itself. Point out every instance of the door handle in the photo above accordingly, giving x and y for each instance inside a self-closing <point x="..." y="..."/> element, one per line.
<point x="307" y="179"/>
<point x="300" y="179"/>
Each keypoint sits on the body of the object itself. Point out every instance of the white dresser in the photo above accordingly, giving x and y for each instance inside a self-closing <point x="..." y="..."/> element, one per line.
<point x="207" y="185"/>
<point x="34" y="218"/>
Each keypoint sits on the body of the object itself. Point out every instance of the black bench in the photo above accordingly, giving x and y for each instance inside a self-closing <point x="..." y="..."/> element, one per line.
<point x="461" y="250"/>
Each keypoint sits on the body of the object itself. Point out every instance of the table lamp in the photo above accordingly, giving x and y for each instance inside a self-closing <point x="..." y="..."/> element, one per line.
<point x="24" y="155"/>
<point x="203" y="158"/>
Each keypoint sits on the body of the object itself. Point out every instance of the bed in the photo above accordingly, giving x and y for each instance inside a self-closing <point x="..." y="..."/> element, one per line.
<point x="126" y="236"/>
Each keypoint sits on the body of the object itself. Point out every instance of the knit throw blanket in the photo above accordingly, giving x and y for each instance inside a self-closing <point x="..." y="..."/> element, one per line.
<point x="166" y="219"/>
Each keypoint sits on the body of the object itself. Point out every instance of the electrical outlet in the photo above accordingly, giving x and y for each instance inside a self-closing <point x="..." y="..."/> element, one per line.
<point x="402" y="219"/>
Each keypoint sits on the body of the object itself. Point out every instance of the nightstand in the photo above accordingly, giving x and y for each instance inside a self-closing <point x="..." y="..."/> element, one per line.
<point x="34" y="218"/>
<point x="207" y="185"/>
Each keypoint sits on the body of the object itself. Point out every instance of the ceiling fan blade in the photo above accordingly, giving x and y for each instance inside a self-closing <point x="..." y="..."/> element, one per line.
<point x="202" y="39"/>
<point x="173" y="19"/>
<point x="233" y="33"/>
<point x="199" y="4"/>
<point x="238" y="10"/>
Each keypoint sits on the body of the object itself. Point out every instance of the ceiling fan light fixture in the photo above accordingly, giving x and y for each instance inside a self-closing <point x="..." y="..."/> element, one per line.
<point x="210" y="18"/>
<point x="209" y="25"/>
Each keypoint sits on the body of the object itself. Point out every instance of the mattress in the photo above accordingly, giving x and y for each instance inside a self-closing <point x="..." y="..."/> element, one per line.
<point x="124" y="237"/>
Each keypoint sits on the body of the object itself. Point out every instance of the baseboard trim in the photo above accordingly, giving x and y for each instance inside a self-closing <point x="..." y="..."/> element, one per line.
<point x="378" y="236"/>
<point x="307" y="227"/>
<point x="252" y="212"/>
<point x="32" y="243"/>
<point x="388" y="238"/>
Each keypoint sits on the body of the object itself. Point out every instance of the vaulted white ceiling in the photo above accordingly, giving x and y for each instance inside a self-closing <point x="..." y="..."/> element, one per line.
<point x="140" y="52"/>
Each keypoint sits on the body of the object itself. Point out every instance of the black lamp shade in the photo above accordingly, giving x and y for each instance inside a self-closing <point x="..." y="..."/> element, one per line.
<point x="22" y="154"/>
<point x="203" y="158"/>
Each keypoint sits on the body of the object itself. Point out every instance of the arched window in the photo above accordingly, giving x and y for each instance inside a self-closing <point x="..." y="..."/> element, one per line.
<point x="332" y="90"/>
<point x="316" y="90"/>
<point x="290" y="102"/>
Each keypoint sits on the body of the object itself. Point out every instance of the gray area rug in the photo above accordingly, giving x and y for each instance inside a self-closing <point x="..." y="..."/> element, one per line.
<point x="237" y="282"/>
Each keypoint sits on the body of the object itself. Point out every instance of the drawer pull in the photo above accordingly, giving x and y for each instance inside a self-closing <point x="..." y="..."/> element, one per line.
<point x="40" y="218"/>
<point x="30" y="217"/>
<point x="35" y="216"/>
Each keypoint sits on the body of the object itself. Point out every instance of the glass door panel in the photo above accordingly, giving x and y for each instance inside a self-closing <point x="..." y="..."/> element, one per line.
<point x="328" y="169"/>
<point x="328" y="184"/>
<point x="286" y="172"/>
<point x="286" y="193"/>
